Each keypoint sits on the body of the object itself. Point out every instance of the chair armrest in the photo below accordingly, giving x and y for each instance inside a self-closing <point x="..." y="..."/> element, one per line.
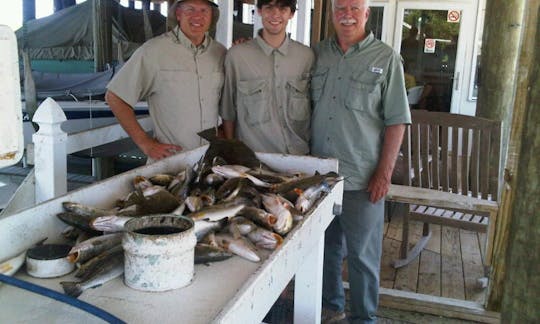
<point x="439" y="199"/>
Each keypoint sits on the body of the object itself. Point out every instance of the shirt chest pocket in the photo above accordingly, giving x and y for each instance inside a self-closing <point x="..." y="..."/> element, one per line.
<point x="298" y="97"/>
<point x="252" y="101"/>
<point x="364" y="93"/>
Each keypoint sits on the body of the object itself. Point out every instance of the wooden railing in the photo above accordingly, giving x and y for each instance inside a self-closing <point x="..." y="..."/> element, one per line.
<point x="52" y="145"/>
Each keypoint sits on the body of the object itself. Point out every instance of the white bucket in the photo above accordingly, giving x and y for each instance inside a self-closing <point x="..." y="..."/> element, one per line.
<point x="159" y="252"/>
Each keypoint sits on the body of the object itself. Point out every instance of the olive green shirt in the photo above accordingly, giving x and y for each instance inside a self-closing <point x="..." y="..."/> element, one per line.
<point x="181" y="82"/>
<point x="356" y="95"/>
<point x="266" y="92"/>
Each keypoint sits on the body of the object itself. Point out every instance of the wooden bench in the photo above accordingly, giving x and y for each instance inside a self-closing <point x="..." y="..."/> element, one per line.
<point x="454" y="176"/>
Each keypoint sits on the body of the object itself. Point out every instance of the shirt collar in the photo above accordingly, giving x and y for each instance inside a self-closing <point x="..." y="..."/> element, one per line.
<point x="267" y="49"/>
<point x="182" y="39"/>
<point x="355" y="47"/>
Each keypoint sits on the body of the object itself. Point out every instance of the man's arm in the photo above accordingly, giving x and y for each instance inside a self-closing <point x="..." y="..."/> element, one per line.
<point x="126" y="117"/>
<point x="380" y="180"/>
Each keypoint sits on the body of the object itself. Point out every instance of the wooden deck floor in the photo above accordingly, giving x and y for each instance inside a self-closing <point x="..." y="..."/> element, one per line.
<point x="449" y="266"/>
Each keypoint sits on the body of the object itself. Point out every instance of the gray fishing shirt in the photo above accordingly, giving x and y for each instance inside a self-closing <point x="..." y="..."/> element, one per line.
<point x="181" y="82"/>
<point x="356" y="95"/>
<point x="266" y="92"/>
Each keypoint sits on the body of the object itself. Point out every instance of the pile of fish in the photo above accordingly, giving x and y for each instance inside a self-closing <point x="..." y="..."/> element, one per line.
<point x="238" y="205"/>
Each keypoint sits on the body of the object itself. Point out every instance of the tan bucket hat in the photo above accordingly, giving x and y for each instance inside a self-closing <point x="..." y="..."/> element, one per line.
<point x="171" y="15"/>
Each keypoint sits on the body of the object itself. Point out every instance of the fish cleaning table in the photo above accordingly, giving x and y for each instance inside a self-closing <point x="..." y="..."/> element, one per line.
<point x="230" y="291"/>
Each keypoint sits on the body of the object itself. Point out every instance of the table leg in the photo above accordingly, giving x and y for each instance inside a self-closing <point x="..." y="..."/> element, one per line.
<point x="308" y="286"/>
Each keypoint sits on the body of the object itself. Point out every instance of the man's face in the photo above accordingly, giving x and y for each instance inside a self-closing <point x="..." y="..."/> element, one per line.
<point x="350" y="18"/>
<point x="195" y="17"/>
<point x="275" y="18"/>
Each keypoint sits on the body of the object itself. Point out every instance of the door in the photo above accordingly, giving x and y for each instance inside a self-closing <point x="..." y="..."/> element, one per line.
<point x="432" y="40"/>
<point x="11" y="145"/>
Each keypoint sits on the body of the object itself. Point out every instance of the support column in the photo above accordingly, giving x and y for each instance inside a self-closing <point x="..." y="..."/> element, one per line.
<point x="50" y="164"/>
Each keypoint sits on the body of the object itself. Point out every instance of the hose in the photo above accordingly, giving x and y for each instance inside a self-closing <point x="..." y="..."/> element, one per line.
<point x="98" y="312"/>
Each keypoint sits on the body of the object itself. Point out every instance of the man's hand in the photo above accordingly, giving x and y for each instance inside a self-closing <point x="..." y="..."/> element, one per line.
<point x="378" y="186"/>
<point x="157" y="151"/>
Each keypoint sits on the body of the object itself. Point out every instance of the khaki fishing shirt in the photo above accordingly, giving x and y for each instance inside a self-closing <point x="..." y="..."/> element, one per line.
<point x="181" y="83"/>
<point x="266" y="92"/>
<point x="356" y="94"/>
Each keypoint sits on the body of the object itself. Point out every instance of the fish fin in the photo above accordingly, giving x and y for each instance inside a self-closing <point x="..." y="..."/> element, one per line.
<point x="71" y="288"/>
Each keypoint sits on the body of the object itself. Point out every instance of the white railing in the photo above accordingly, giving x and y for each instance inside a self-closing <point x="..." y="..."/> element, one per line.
<point x="52" y="145"/>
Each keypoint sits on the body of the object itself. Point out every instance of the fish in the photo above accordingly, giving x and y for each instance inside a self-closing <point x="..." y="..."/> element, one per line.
<point x="132" y="210"/>
<point x="303" y="183"/>
<point x="78" y="221"/>
<point x="241" y="225"/>
<point x="194" y="203"/>
<point x="203" y="227"/>
<point x="306" y="198"/>
<point x="259" y="216"/>
<point x="208" y="197"/>
<point x="239" y="246"/>
<point x="157" y="200"/>
<point x="205" y="253"/>
<point x="140" y="183"/>
<point x="93" y="246"/>
<point x="216" y="212"/>
<point x="161" y="179"/>
<point x="103" y="274"/>
<point x="85" y="210"/>
<point x="229" y="189"/>
<point x="181" y="189"/>
<point x="233" y="151"/>
<point x="281" y="208"/>
<point x="91" y="266"/>
<point x="213" y="179"/>
<point x="132" y="198"/>
<point x="233" y="171"/>
<point x="265" y="239"/>
<point x="112" y="223"/>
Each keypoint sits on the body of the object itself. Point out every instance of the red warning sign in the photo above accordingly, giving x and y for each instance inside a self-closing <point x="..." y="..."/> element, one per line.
<point x="429" y="45"/>
<point x="453" y="16"/>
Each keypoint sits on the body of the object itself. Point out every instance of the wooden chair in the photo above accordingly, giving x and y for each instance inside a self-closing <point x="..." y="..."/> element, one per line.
<point x="454" y="163"/>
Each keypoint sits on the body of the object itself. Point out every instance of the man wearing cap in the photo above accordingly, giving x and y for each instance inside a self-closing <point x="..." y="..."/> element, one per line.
<point x="265" y="96"/>
<point x="180" y="75"/>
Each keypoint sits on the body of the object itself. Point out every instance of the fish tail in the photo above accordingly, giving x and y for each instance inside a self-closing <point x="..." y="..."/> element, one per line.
<point x="72" y="288"/>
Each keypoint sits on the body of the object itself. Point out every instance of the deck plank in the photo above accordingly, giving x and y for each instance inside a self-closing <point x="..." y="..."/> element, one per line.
<point x="390" y="253"/>
<point x="407" y="277"/>
<point x="447" y="267"/>
<point x="451" y="264"/>
<point x="429" y="274"/>
<point x="472" y="265"/>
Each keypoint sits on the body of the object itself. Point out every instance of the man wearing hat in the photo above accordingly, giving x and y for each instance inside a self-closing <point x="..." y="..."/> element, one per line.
<point x="180" y="75"/>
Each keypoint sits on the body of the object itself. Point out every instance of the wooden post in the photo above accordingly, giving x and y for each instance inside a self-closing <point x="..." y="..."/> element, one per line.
<point x="503" y="30"/>
<point x="521" y="302"/>
<point x="303" y="16"/>
<point x="50" y="151"/>
<point x="514" y="110"/>
<point x="224" y="28"/>
<point x="101" y="15"/>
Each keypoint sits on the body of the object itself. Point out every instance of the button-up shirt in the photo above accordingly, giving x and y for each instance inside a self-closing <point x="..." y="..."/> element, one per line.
<point x="266" y="92"/>
<point x="356" y="95"/>
<point x="181" y="82"/>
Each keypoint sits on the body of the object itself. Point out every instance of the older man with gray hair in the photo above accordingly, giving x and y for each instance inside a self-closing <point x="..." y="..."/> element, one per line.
<point x="180" y="75"/>
<point x="359" y="117"/>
